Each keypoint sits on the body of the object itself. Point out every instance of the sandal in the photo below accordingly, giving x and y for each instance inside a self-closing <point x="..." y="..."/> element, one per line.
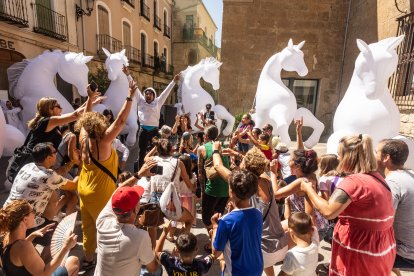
<point x="207" y="248"/>
<point x="88" y="265"/>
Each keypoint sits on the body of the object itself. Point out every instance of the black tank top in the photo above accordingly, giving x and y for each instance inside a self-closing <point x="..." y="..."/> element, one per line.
<point x="8" y="267"/>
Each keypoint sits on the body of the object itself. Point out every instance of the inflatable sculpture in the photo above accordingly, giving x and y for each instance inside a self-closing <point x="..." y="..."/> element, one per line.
<point x="367" y="106"/>
<point x="118" y="91"/>
<point x="195" y="98"/>
<point x="10" y="137"/>
<point x="36" y="79"/>
<point x="276" y="104"/>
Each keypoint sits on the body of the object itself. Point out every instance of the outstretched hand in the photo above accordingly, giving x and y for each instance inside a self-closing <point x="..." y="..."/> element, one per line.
<point x="299" y="124"/>
<point x="177" y="77"/>
<point x="145" y="169"/>
<point x="41" y="232"/>
<point x="125" y="70"/>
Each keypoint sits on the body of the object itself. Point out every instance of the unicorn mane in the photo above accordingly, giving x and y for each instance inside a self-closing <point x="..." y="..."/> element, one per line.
<point x="210" y="60"/>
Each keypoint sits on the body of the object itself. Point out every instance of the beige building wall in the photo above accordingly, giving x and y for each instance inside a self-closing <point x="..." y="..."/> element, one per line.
<point x="254" y="30"/>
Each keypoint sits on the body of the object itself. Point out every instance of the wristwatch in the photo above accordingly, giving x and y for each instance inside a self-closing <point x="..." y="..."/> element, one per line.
<point x="129" y="99"/>
<point x="216" y="151"/>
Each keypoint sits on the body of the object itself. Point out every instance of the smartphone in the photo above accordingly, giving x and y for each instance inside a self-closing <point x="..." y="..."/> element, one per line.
<point x="93" y="86"/>
<point x="157" y="170"/>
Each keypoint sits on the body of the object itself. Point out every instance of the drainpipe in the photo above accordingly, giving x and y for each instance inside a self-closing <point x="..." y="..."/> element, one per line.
<point x="343" y="53"/>
<point x="67" y="25"/>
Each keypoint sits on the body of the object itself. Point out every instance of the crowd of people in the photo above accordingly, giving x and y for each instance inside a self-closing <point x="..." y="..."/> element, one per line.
<point x="260" y="202"/>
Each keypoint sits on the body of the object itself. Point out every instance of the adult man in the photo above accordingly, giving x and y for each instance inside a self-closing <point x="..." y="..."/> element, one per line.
<point x="391" y="155"/>
<point x="209" y="114"/>
<point x="122" y="247"/>
<point x="12" y="116"/>
<point x="216" y="191"/>
<point x="36" y="182"/>
<point x="149" y="107"/>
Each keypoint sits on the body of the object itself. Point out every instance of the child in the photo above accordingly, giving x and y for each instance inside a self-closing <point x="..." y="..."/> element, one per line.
<point x="262" y="143"/>
<point x="328" y="180"/>
<point x="238" y="234"/>
<point x="186" y="263"/>
<point x="303" y="258"/>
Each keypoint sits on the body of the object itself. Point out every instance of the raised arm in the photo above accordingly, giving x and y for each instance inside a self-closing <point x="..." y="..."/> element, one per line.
<point x="164" y="95"/>
<point x="116" y="127"/>
<point x="338" y="201"/>
<point x="200" y="165"/>
<point x="176" y="123"/>
<point x="218" y="163"/>
<point x="299" y="124"/>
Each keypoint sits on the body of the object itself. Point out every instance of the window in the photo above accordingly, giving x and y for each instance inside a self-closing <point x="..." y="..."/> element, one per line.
<point x="189" y="21"/>
<point x="192" y="57"/>
<point x="401" y="83"/>
<point x="126" y="30"/>
<point x="305" y="91"/>
<point x="155" y="48"/>
<point x="103" y="20"/>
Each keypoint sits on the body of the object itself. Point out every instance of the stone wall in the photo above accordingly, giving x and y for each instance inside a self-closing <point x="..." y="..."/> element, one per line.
<point x="255" y="30"/>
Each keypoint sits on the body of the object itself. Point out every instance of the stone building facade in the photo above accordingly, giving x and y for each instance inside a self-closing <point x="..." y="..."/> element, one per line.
<point x="142" y="27"/>
<point x="254" y="30"/>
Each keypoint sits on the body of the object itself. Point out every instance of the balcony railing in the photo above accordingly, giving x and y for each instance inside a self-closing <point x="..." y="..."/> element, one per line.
<point x="107" y="42"/>
<point x="145" y="10"/>
<point x="157" y="22"/>
<point x="49" y="22"/>
<point x="15" y="12"/>
<point x="198" y="35"/>
<point x="147" y="60"/>
<point x="133" y="54"/>
<point x="129" y="2"/>
<point x="167" y="31"/>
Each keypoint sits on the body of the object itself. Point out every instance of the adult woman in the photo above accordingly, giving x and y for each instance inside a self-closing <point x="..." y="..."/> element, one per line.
<point x="303" y="164"/>
<point x="363" y="203"/>
<point x="20" y="257"/>
<point x="95" y="186"/>
<point x="172" y="170"/>
<point x="45" y="127"/>
<point x="274" y="239"/>
<point x="182" y="124"/>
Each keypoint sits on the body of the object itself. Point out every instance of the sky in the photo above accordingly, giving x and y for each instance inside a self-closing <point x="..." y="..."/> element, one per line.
<point x="215" y="8"/>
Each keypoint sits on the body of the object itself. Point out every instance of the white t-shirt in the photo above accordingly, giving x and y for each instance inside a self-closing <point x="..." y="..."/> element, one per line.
<point x="302" y="261"/>
<point x="35" y="183"/>
<point x="325" y="183"/>
<point x="122" y="248"/>
<point x="146" y="184"/>
<point x="283" y="159"/>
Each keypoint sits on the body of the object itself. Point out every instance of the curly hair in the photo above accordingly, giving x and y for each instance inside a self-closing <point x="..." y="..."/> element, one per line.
<point x="94" y="123"/>
<point x="307" y="160"/>
<point x="255" y="161"/>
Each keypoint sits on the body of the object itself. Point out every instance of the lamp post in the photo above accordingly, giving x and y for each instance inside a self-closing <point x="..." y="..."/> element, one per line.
<point x="81" y="12"/>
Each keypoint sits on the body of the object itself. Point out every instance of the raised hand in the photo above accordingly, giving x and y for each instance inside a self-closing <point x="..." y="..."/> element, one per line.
<point x="217" y="145"/>
<point x="125" y="70"/>
<point x="299" y="124"/>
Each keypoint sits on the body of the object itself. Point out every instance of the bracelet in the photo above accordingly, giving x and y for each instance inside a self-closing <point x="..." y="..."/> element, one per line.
<point x="216" y="151"/>
<point x="129" y="99"/>
<point x="136" y="176"/>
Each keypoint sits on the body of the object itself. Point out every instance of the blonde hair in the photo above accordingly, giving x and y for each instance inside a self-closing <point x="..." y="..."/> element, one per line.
<point x="11" y="216"/>
<point x="94" y="123"/>
<point x="43" y="107"/>
<point x="255" y="161"/>
<point x="356" y="154"/>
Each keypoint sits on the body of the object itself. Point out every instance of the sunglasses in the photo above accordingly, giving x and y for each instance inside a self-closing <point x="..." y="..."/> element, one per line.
<point x="58" y="106"/>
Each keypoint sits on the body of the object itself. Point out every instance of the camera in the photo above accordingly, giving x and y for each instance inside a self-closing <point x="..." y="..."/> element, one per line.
<point x="93" y="86"/>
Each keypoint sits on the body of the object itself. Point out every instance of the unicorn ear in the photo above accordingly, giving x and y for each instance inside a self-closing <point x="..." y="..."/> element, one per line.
<point x="107" y="53"/>
<point x="122" y="53"/>
<point x="86" y="59"/>
<point x="290" y="44"/>
<point x="362" y="46"/>
<point x="219" y="64"/>
<point x="395" y="42"/>
<point x="78" y="58"/>
<point x="300" y="45"/>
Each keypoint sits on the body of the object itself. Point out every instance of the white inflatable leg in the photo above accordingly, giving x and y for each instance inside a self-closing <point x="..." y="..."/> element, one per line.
<point x="282" y="125"/>
<point x="2" y="131"/>
<point x="311" y="121"/>
<point x="132" y="133"/>
<point x="14" y="139"/>
<point x="99" y="108"/>
<point x="222" y="114"/>
<point x="333" y="141"/>
<point x="409" y="164"/>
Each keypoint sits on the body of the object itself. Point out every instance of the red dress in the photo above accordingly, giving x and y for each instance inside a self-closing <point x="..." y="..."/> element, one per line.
<point x="363" y="241"/>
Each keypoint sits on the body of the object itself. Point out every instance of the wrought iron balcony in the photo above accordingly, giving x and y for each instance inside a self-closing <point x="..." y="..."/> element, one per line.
<point x="167" y="31"/>
<point x="157" y="22"/>
<point x="129" y="2"/>
<point x="198" y="35"/>
<point x="49" y="22"/>
<point x="145" y="11"/>
<point x="107" y="42"/>
<point x="147" y="60"/>
<point x="133" y="54"/>
<point x="14" y="12"/>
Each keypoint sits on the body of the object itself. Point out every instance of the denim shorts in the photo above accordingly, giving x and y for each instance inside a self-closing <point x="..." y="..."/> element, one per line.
<point x="60" y="271"/>
<point x="401" y="262"/>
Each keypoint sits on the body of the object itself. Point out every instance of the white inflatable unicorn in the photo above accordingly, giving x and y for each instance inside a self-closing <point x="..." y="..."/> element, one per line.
<point x="367" y="106"/>
<point x="37" y="79"/>
<point x="118" y="91"/>
<point x="276" y="104"/>
<point x="195" y="98"/>
<point x="33" y="79"/>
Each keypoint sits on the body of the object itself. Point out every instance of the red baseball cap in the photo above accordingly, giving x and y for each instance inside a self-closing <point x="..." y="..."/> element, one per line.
<point x="126" y="198"/>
